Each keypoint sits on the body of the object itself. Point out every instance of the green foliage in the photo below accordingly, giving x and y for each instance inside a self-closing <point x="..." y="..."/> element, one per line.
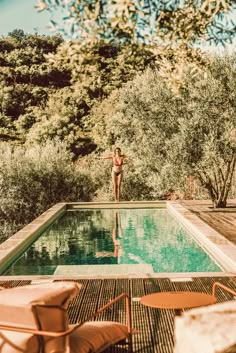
<point x="41" y="75"/>
<point x="110" y="101"/>
<point x="33" y="179"/>
<point x="164" y="25"/>
<point x="133" y="188"/>
<point x="7" y="229"/>
<point x="60" y="119"/>
<point x="100" y="172"/>
<point x="23" y="61"/>
<point x="17" y="39"/>
<point x="38" y="97"/>
<point x="105" y="67"/>
<point x="27" y="80"/>
<point x="18" y="34"/>
<point x="169" y="137"/>
<point x="141" y="118"/>
<point x="206" y="133"/>
<point x="15" y="100"/>
<point x="145" y="21"/>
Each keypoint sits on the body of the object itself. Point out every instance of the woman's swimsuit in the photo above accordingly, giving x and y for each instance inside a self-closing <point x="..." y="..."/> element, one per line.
<point x="117" y="163"/>
<point x="117" y="173"/>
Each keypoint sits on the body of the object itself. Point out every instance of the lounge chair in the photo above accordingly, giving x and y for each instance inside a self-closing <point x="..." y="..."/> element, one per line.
<point x="220" y="285"/>
<point x="34" y="319"/>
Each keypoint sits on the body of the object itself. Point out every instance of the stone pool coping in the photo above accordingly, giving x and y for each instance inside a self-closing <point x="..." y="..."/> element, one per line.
<point x="214" y="243"/>
<point x="18" y="242"/>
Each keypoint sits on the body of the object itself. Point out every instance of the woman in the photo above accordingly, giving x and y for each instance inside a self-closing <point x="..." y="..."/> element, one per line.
<point x="117" y="172"/>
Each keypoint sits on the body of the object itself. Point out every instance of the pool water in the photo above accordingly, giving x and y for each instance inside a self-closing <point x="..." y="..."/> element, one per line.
<point x="112" y="236"/>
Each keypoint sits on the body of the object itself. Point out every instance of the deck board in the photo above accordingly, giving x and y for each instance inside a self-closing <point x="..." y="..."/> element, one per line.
<point x="223" y="220"/>
<point x="156" y="327"/>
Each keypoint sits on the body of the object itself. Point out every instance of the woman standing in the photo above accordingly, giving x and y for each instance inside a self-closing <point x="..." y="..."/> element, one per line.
<point x="117" y="171"/>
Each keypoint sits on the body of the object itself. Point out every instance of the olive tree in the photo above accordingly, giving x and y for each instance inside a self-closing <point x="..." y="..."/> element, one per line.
<point x="141" y="117"/>
<point x="35" y="178"/>
<point x="173" y="137"/>
<point x="140" y="20"/>
<point x="171" y="28"/>
<point x="206" y="139"/>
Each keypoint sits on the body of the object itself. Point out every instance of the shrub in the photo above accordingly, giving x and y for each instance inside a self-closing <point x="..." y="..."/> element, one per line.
<point x="33" y="179"/>
<point x="133" y="186"/>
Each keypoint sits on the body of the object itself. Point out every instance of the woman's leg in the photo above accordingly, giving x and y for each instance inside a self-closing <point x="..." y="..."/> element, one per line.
<point x="119" y="180"/>
<point x="114" y="182"/>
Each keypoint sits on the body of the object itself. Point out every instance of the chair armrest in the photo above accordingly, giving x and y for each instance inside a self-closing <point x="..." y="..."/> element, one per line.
<point x="218" y="284"/>
<point x="39" y="332"/>
<point x="112" y="302"/>
<point x="66" y="332"/>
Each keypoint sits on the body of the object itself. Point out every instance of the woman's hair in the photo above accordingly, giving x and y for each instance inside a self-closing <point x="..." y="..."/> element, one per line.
<point x="117" y="148"/>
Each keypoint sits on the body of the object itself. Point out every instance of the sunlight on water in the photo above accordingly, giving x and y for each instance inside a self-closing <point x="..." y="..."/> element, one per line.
<point x="126" y="236"/>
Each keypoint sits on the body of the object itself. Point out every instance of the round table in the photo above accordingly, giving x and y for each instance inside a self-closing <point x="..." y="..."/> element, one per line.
<point x="177" y="300"/>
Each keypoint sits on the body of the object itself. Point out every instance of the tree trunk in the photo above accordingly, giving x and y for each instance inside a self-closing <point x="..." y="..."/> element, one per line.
<point x="221" y="204"/>
<point x="219" y="185"/>
<point x="225" y="188"/>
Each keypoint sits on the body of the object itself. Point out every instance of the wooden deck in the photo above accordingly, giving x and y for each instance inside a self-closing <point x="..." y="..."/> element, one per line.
<point x="155" y="326"/>
<point x="223" y="220"/>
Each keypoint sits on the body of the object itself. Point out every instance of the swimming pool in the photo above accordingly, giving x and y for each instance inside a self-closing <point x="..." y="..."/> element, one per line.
<point x="150" y="240"/>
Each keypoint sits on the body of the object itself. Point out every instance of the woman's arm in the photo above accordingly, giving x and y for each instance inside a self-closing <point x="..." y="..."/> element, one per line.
<point x="125" y="156"/>
<point x="128" y="160"/>
<point x="108" y="157"/>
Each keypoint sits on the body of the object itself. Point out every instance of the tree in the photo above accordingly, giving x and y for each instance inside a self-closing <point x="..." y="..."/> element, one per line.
<point x="34" y="178"/>
<point x="171" y="28"/>
<point x="26" y="81"/>
<point x="144" y="21"/>
<point x="61" y="120"/>
<point x="141" y="117"/>
<point x="17" y="34"/>
<point x="105" y="66"/>
<point x="42" y="100"/>
<point x="207" y="140"/>
<point x="173" y="137"/>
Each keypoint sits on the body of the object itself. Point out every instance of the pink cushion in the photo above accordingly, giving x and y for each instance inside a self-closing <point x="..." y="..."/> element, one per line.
<point x="96" y="336"/>
<point x="42" y="306"/>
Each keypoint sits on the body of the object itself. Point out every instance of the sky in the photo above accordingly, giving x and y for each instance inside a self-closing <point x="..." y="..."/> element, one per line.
<point x="21" y="14"/>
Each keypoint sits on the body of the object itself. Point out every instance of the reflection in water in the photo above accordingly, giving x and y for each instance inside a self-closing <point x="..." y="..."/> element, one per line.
<point x="125" y="236"/>
<point x="116" y="235"/>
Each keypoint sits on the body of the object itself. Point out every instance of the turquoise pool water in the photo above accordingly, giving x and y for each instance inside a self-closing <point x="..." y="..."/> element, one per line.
<point x="105" y="236"/>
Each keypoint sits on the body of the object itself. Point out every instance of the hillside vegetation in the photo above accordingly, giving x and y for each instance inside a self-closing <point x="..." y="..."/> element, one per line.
<point x="56" y="115"/>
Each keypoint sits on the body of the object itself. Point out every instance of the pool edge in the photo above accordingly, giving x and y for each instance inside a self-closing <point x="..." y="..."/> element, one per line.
<point x="10" y="249"/>
<point x="18" y="242"/>
<point x="220" y="248"/>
